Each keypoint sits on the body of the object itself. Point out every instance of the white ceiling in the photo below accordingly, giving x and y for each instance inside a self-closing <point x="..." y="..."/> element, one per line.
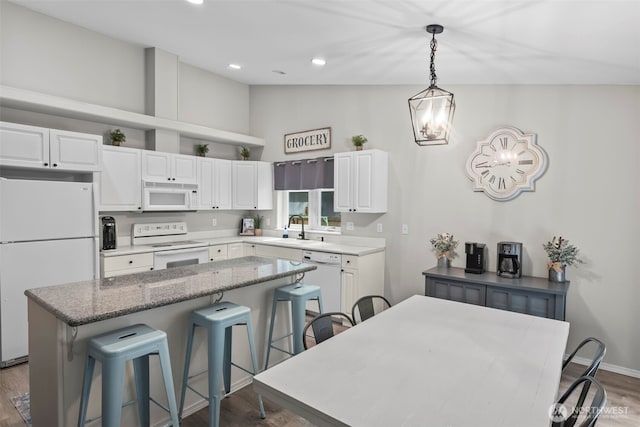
<point x="379" y="41"/>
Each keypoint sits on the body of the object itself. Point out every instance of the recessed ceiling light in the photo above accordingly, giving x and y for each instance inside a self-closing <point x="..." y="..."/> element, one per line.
<point x="235" y="66"/>
<point x="196" y="1"/>
<point x="318" y="61"/>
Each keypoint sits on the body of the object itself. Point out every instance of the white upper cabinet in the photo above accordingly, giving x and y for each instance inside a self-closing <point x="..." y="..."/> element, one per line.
<point x="360" y="181"/>
<point x="120" y="180"/>
<point x="41" y="148"/>
<point x="252" y="185"/>
<point x="158" y="166"/>
<point x="214" y="183"/>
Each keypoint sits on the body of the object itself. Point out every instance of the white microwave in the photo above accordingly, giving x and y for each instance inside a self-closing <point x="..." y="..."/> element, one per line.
<point x="166" y="196"/>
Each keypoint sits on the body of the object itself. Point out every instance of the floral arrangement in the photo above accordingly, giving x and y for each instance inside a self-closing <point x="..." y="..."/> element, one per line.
<point x="561" y="253"/>
<point x="444" y="245"/>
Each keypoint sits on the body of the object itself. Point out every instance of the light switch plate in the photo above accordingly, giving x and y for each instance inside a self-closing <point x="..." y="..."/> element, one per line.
<point x="214" y="222"/>
<point x="350" y="226"/>
<point x="268" y="222"/>
<point x="379" y="228"/>
<point x="405" y="228"/>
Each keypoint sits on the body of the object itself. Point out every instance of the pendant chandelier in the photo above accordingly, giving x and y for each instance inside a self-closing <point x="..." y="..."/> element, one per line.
<point x="432" y="109"/>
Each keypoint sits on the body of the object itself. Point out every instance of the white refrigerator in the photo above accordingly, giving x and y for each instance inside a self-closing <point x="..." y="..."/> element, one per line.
<point x="48" y="236"/>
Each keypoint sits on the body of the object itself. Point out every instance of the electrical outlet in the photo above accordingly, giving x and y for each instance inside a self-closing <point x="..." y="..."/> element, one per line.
<point x="350" y="226"/>
<point x="405" y="229"/>
<point x="214" y="222"/>
<point x="268" y="222"/>
<point x="379" y="228"/>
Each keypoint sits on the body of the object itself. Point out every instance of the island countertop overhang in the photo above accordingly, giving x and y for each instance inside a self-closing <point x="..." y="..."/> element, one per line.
<point x="91" y="301"/>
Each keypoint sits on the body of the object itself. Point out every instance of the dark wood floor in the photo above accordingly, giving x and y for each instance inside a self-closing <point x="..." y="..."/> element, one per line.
<point x="241" y="408"/>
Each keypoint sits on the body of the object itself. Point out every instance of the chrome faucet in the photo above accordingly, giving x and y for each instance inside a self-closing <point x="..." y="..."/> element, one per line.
<point x="301" y="235"/>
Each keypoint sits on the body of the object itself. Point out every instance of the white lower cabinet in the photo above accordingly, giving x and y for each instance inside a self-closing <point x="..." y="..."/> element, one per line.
<point x="248" y="249"/>
<point x="218" y="252"/>
<point x="235" y="250"/>
<point x="125" y="264"/>
<point x="361" y="275"/>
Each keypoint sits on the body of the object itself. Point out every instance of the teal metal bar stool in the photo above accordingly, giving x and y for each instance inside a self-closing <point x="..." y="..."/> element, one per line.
<point x="297" y="294"/>
<point x="113" y="350"/>
<point x="218" y="320"/>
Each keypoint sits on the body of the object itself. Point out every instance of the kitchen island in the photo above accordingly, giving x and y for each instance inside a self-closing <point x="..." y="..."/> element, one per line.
<point x="63" y="317"/>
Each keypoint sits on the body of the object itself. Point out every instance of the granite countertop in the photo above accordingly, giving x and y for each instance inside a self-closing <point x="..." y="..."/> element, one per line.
<point x="94" y="300"/>
<point x="310" y="245"/>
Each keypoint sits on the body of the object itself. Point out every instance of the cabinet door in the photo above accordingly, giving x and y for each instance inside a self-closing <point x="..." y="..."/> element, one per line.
<point x="349" y="290"/>
<point x="222" y="183"/>
<point x="156" y="166"/>
<point x="206" y="183"/>
<point x="370" y="181"/>
<point x="245" y="185"/>
<point x="343" y="182"/>
<point x="534" y="303"/>
<point x="75" y="151"/>
<point x="457" y="291"/>
<point x="218" y="252"/>
<point x="184" y="169"/>
<point x="248" y="249"/>
<point x="120" y="179"/>
<point x="24" y="146"/>
<point x="235" y="250"/>
<point x="264" y="185"/>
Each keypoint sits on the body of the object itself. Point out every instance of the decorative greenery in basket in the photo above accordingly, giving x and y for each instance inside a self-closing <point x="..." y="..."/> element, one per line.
<point x="202" y="149"/>
<point x="358" y="141"/>
<point x="244" y="152"/>
<point x="561" y="253"/>
<point x="444" y="245"/>
<point x="117" y="137"/>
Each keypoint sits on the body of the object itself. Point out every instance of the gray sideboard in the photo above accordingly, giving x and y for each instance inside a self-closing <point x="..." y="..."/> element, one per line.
<point x="528" y="295"/>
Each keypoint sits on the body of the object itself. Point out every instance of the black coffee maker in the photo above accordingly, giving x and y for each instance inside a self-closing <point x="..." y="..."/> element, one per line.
<point x="476" y="257"/>
<point x="108" y="233"/>
<point x="509" y="260"/>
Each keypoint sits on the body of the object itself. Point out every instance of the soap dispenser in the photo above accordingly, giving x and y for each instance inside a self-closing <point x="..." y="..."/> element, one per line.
<point x="285" y="233"/>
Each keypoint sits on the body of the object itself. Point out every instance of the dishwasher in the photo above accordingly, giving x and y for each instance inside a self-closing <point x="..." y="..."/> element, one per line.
<point x="327" y="276"/>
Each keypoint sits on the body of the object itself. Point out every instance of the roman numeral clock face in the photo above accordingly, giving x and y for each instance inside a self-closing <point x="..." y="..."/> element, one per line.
<point x="506" y="163"/>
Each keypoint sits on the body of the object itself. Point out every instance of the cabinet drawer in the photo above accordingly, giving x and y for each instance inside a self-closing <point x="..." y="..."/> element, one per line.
<point x="349" y="261"/>
<point x="137" y="262"/>
<point x="218" y="252"/>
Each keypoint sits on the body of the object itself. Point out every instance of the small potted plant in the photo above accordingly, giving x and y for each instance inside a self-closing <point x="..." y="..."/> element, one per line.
<point x="257" y="225"/>
<point x="244" y="152"/>
<point x="358" y="141"/>
<point x="445" y="246"/>
<point x="202" y="149"/>
<point x="117" y="137"/>
<point x="560" y="254"/>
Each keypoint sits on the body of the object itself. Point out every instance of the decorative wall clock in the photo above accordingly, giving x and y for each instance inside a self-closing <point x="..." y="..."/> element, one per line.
<point x="506" y="163"/>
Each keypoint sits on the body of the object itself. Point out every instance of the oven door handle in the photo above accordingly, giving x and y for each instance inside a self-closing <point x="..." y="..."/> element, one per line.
<point x="181" y="251"/>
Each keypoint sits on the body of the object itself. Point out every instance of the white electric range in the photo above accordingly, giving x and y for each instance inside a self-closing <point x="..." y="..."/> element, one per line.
<point x="170" y="250"/>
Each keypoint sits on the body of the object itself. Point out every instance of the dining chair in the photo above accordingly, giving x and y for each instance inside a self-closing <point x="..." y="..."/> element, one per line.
<point x="589" y="415"/>
<point x="592" y="368"/>
<point x="325" y="326"/>
<point x="368" y="306"/>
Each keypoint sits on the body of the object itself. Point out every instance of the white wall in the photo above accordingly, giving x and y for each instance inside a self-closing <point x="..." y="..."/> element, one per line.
<point x="589" y="193"/>
<point x="47" y="55"/>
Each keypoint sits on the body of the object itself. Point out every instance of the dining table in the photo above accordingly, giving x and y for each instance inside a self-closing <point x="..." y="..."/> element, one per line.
<point x="427" y="362"/>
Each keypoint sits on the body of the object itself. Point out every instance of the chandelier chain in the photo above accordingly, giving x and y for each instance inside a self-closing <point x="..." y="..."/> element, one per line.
<point x="432" y="67"/>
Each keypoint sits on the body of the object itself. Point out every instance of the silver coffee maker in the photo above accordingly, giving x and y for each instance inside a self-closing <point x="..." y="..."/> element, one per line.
<point x="509" y="259"/>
